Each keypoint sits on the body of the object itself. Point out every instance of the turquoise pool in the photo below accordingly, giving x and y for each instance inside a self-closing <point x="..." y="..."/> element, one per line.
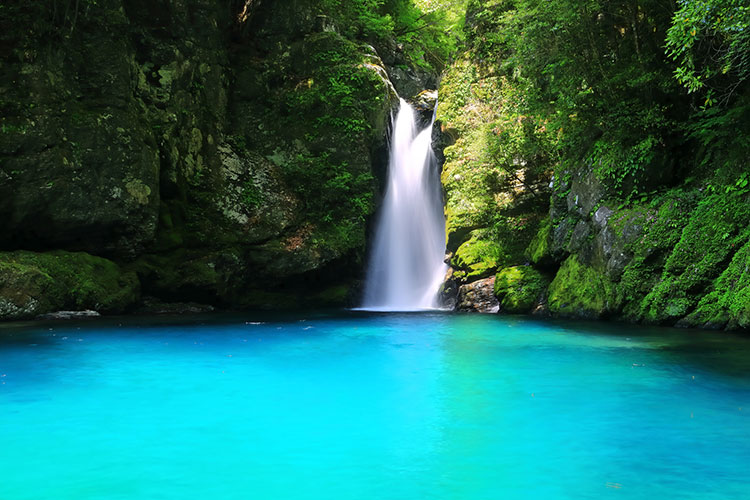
<point x="359" y="405"/>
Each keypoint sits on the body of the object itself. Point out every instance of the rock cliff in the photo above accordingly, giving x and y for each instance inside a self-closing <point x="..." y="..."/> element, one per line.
<point x="218" y="152"/>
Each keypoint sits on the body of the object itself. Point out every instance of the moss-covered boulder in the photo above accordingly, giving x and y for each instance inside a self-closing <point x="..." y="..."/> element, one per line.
<point x="520" y="289"/>
<point x="579" y="290"/>
<point x="478" y="258"/>
<point x="37" y="283"/>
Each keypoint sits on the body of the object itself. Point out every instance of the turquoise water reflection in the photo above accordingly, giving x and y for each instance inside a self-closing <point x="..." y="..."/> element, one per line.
<point x="361" y="405"/>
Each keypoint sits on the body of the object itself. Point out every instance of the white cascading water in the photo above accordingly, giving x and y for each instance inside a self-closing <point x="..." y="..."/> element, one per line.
<point x="406" y="267"/>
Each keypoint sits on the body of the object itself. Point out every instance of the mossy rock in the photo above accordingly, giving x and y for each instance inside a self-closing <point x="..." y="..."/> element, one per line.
<point x="520" y="288"/>
<point x="477" y="258"/>
<point x="582" y="291"/>
<point x="717" y="227"/>
<point x="539" y="251"/>
<point x="37" y="283"/>
<point x="728" y="302"/>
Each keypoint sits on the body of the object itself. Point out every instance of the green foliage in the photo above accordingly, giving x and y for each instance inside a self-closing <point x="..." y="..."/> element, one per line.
<point x="319" y="123"/>
<point x="588" y="87"/>
<point x="334" y="197"/>
<point x="252" y="196"/>
<point x="497" y="149"/>
<point x="426" y="30"/>
<point x="657" y="228"/>
<point x="591" y="76"/>
<point x="719" y="135"/>
<point x="337" y="94"/>
<point x="710" y="41"/>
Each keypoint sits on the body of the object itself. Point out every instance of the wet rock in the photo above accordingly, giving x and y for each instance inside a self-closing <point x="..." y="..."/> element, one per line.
<point x="448" y="293"/>
<point x="64" y="315"/>
<point x="601" y="216"/>
<point x="560" y="235"/>
<point x="425" y="101"/>
<point x="579" y="236"/>
<point x="410" y="81"/>
<point x="478" y="296"/>
<point x="586" y="191"/>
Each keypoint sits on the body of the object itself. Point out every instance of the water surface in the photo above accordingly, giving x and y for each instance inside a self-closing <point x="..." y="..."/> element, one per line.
<point x="363" y="405"/>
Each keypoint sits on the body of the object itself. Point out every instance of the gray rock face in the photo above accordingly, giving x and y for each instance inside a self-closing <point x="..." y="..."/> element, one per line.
<point x="601" y="216"/>
<point x="478" y="296"/>
<point x="579" y="238"/>
<point x="585" y="192"/>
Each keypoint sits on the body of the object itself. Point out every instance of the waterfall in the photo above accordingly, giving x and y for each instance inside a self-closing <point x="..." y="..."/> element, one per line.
<point x="406" y="266"/>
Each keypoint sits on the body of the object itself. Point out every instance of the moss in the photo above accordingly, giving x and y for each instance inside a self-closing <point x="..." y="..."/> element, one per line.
<point x="138" y="191"/>
<point x="35" y="283"/>
<point x="579" y="290"/>
<point x="319" y="116"/>
<point x="649" y="232"/>
<point x="478" y="258"/>
<point x="519" y="289"/>
<point x="539" y="251"/>
<point x="717" y="227"/>
<point x="728" y="302"/>
<point x="495" y="170"/>
<point x="469" y="176"/>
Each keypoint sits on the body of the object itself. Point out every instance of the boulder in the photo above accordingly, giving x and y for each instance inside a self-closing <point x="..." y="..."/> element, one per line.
<point x="520" y="289"/>
<point x="478" y="296"/>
